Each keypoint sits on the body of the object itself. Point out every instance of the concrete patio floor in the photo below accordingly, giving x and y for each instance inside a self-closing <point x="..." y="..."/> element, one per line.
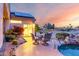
<point x="28" y="49"/>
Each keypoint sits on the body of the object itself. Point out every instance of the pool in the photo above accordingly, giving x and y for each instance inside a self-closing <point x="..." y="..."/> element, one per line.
<point x="69" y="49"/>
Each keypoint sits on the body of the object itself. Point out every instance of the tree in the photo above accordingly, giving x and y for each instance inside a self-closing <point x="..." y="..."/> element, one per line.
<point x="37" y="28"/>
<point x="53" y="26"/>
<point x="50" y="26"/>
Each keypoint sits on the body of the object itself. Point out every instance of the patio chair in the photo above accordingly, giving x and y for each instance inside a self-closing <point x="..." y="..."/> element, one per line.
<point x="47" y="38"/>
<point x="73" y="39"/>
<point x="35" y="39"/>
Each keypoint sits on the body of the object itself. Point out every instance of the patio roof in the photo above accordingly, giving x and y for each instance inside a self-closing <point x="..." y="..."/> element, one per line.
<point x="25" y="15"/>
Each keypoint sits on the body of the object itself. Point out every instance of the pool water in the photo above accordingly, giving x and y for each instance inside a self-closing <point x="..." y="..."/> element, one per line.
<point x="69" y="49"/>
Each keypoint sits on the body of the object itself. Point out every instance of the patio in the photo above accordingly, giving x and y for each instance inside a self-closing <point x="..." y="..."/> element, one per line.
<point x="27" y="49"/>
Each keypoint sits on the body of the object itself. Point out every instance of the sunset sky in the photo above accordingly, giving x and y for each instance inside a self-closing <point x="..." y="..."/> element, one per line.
<point x="55" y="13"/>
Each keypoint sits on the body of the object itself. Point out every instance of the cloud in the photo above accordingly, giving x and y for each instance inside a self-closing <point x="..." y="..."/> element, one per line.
<point x="57" y="13"/>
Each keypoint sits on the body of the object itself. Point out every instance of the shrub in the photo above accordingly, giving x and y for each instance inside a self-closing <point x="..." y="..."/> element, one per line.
<point x="37" y="28"/>
<point x="9" y="32"/>
<point x="9" y="38"/>
<point x="9" y="35"/>
<point x="61" y="35"/>
<point x="18" y="30"/>
<point x="14" y="42"/>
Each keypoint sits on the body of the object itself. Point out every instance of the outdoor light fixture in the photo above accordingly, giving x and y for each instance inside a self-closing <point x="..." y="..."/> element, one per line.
<point x="16" y="21"/>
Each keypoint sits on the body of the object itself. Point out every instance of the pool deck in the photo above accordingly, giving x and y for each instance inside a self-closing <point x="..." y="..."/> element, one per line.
<point x="28" y="49"/>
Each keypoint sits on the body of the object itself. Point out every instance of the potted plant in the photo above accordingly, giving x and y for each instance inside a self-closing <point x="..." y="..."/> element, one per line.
<point x="9" y="35"/>
<point x="37" y="29"/>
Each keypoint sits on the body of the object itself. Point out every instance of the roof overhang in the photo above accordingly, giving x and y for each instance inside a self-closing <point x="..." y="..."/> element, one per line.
<point x="24" y="15"/>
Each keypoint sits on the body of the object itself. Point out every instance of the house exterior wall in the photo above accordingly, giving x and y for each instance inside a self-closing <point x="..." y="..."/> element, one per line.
<point x="24" y="22"/>
<point x="6" y="16"/>
<point x="1" y="25"/>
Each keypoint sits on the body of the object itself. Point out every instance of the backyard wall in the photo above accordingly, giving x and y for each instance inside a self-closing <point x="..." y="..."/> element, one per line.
<point x="1" y="25"/>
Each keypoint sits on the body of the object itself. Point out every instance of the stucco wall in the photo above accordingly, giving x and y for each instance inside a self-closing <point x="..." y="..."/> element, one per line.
<point x="6" y="16"/>
<point x="1" y="25"/>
